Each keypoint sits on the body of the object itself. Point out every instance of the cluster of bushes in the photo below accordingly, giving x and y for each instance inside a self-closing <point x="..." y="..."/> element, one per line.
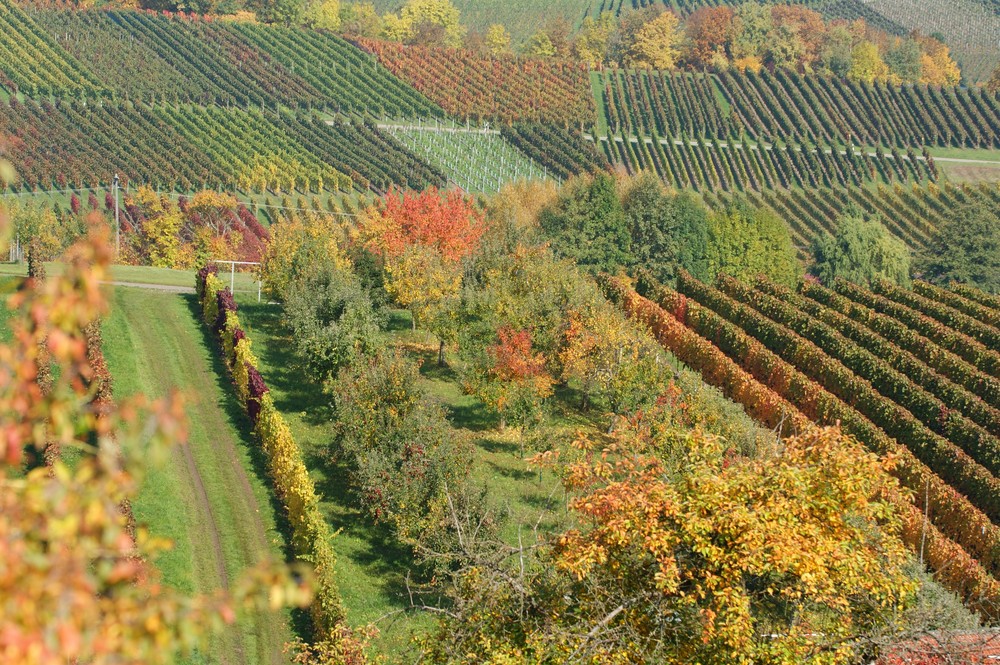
<point x="604" y="225"/>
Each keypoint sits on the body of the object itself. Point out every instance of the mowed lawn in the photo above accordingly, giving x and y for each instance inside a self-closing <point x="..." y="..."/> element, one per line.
<point x="210" y="497"/>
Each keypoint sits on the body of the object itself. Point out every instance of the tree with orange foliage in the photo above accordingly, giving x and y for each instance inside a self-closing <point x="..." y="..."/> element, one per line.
<point x="446" y="222"/>
<point x="512" y="380"/>
<point x="937" y="67"/>
<point x="709" y="30"/>
<point x="423" y="237"/>
<point x="74" y="585"/>
<point x="807" y="25"/>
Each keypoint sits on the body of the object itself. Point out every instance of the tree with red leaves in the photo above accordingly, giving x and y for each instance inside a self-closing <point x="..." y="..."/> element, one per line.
<point x="511" y="378"/>
<point x="423" y="237"/>
<point x="445" y="222"/>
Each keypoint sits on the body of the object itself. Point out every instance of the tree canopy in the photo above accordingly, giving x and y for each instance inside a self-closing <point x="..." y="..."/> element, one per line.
<point x="965" y="248"/>
<point x="862" y="250"/>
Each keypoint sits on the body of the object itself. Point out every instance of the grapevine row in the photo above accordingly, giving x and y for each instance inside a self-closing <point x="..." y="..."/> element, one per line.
<point x="502" y="88"/>
<point x="186" y="148"/>
<point x="953" y="514"/>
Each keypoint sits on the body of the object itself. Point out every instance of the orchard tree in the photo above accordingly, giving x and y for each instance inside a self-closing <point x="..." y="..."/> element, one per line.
<point x="669" y="230"/>
<point x="497" y="39"/>
<point x="447" y="223"/>
<point x="993" y="84"/>
<point x="862" y="250"/>
<point x="300" y="247"/>
<point x="332" y="319"/>
<point x="511" y="379"/>
<point x="937" y="67"/>
<point x="867" y="64"/>
<point x="613" y="360"/>
<point x="430" y="287"/>
<point x="688" y="553"/>
<point x="423" y="239"/>
<point x="593" y="39"/>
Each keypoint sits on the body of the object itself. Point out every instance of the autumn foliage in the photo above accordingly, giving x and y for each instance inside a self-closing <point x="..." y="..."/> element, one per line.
<point x="74" y="585"/>
<point x="446" y="222"/>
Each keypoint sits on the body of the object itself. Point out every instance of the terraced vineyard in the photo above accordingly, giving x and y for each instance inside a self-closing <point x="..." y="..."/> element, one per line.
<point x="562" y="152"/>
<point x="709" y="165"/>
<point x="32" y="63"/>
<point x="886" y="364"/>
<point x="154" y="57"/>
<point x="911" y="213"/>
<point x="789" y="106"/>
<point x="499" y="88"/>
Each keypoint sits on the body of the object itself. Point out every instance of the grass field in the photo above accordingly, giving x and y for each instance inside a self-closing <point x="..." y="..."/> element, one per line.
<point x="182" y="279"/>
<point x="210" y="498"/>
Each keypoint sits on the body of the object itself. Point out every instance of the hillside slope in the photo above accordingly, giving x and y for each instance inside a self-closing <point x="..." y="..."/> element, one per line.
<point x="209" y="497"/>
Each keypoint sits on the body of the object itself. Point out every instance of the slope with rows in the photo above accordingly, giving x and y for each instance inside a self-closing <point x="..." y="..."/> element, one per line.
<point x="835" y="367"/>
<point x="189" y="147"/>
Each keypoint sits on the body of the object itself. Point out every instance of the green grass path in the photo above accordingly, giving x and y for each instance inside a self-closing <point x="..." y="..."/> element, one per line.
<point x="210" y="498"/>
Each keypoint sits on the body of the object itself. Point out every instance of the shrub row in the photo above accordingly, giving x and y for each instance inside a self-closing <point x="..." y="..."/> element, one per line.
<point x="974" y="351"/>
<point x="887" y="353"/>
<point x="892" y="383"/>
<point x="942" y="360"/>
<point x="985" y="314"/>
<point x="312" y="538"/>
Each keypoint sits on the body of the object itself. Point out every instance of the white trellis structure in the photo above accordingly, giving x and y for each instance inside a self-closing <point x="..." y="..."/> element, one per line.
<point x="232" y="274"/>
<point x="477" y="160"/>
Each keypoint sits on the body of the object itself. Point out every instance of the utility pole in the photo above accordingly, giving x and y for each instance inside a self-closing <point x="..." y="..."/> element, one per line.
<point x="118" y="226"/>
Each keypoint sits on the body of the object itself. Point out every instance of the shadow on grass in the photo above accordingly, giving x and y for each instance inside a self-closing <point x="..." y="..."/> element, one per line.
<point x="300" y="623"/>
<point x="400" y="320"/>
<point x="513" y="474"/>
<point x="382" y="556"/>
<point x="293" y="390"/>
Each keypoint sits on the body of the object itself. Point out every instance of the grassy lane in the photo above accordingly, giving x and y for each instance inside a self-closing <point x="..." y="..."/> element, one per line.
<point x="210" y="498"/>
<point x="371" y="564"/>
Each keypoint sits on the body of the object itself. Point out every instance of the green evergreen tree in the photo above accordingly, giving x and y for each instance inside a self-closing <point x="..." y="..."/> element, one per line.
<point x="862" y="250"/>
<point x="587" y="224"/>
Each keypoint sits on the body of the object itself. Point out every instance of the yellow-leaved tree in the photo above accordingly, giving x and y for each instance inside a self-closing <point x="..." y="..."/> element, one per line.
<point x="687" y="552"/>
<point x="657" y="44"/>
<point x="937" y="67"/>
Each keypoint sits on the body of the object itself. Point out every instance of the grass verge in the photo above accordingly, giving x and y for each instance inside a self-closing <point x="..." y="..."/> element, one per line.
<point x="210" y="498"/>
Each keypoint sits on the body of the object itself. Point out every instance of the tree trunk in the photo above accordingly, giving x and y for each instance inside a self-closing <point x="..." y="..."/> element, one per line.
<point x="413" y="320"/>
<point x="441" y="362"/>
